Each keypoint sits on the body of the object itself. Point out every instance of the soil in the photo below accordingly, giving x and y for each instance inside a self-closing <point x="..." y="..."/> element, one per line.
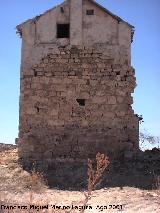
<point x="128" y="185"/>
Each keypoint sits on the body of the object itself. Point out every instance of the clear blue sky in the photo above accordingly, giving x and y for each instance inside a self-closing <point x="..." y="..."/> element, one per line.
<point x="143" y="14"/>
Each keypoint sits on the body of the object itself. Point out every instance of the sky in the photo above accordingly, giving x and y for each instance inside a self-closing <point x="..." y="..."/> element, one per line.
<point x="144" y="15"/>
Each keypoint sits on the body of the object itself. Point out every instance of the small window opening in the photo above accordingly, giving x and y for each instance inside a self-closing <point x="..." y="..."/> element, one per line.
<point x="37" y="108"/>
<point x="125" y="77"/>
<point x="88" y="82"/>
<point x="62" y="10"/>
<point x="81" y="102"/>
<point x="35" y="73"/>
<point x="62" y="30"/>
<point x="118" y="73"/>
<point x="89" y="12"/>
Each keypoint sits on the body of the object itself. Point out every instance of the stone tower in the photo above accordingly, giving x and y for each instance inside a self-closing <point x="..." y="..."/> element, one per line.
<point x="76" y="85"/>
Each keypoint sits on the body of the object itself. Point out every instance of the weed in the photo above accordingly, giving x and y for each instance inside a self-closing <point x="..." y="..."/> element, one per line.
<point x="35" y="181"/>
<point x="94" y="177"/>
<point x="156" y="179"/>
<point x="147" y="138"/>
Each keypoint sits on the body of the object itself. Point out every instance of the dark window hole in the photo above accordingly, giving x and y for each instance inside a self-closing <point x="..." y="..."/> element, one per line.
<point x="125" y="77"/>
<point x="118" y="73"/>
<point x="81" y="102"/>
<point x="35" y="73"/>
<point x="88" y="82"/>
<point x="52" y="154"/>
<point x="89" y="12"/>
<point x="62" y="30"/>
<point x="62" y="10"/>
<point x="37" y="108"/>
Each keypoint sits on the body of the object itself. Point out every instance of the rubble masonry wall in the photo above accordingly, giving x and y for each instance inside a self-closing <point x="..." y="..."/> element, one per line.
<point x="58" y="74"/>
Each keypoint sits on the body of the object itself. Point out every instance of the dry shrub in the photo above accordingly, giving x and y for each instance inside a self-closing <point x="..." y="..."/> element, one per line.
<point x="147" y="138"/>
<point x="157" y="184"/>
<point x="156" y="178"/>
<point x="35" y="181"/>
<point x="94" y="177"/>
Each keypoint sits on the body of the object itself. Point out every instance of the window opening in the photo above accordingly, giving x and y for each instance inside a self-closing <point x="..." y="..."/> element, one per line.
<point x="81" y="102"/>
<point x="90" y="12"/>
<point x="62" y="30"/>
<point x="37" y="108"/>
<point x="62" y="10"/>
<point x="35" y="73"/>
<point x="118" y="73"/>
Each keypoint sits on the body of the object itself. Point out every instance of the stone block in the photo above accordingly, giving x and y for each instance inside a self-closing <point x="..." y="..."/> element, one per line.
<point x="99" y="100"/>
<point x="111" y="100"/>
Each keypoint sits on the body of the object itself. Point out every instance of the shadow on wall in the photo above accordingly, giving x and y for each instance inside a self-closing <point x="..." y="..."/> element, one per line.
<point x="137" y="173"/>
<point x="140" y="172"/>
<point x="61" y="153"/>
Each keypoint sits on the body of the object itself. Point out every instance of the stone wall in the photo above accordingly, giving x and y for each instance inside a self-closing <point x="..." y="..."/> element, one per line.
<point x="75" y="95"/>
<point x="74" y="104"/>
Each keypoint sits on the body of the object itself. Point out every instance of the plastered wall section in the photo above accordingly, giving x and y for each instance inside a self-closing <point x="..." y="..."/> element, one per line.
<point x="100" y="30"/>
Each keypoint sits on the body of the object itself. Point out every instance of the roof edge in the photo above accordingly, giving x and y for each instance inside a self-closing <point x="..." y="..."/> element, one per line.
<point x="110" y="13"/>
<point x="35" y="18"/>
<point x="116" y="17"/>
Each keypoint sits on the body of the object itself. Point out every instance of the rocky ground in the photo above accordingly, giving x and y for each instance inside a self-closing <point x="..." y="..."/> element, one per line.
<point x="127" y="186"/>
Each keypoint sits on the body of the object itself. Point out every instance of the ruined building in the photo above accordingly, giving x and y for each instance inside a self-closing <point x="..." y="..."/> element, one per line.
<point x="76" y="85"/>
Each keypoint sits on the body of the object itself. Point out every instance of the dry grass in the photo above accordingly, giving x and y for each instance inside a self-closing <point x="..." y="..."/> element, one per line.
<point x="156" y="184"/>
<point x="36" y="183"/>
<point x="32" y="190"/>
<point x="13" y="177"/>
